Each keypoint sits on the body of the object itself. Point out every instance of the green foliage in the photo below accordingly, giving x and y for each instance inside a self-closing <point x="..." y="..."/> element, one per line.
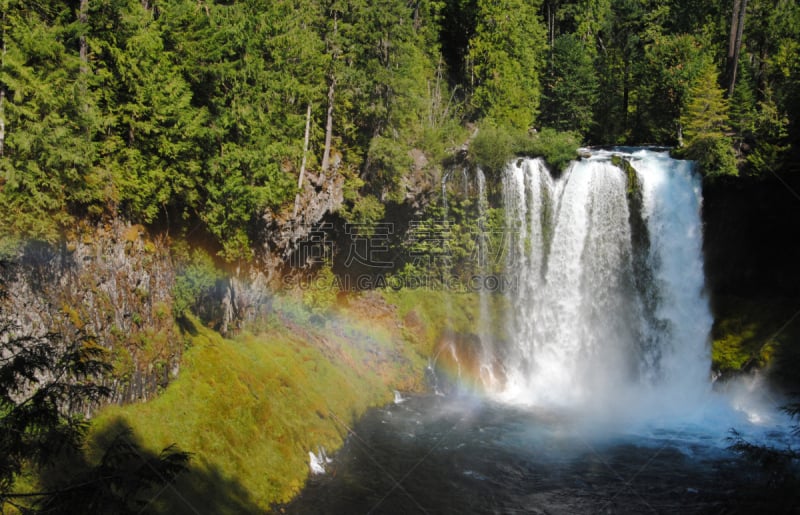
<point x="449" y="254"/>
<point x="749" y="333"/>
<point x="389" y="160"/>
<point x="493" y="147"/>
<point x="507" y="55"/>
<point x="366" y="212"/>
<point x="46" y="151"/>
<point x="154" y="132"/>
<point x="571" y="87"/>
<point x="44" y="383"/>
<point x="770" y="130"/>
<point x="10" y="247"/>
<point x="557" y="148"/>
<point x="713" y="154"/>
<point x="743" y="112"/>
<point x="126" y="479"/>
<point x="672" y="66"/>
<point x="176" y="115"/>
<point x="705" y="123"/>
<point x="706" y="112"/>
<point x="196" y="278"/>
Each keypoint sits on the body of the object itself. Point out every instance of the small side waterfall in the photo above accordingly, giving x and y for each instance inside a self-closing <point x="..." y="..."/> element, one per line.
<point x="610" y="292"/>
<point x="488" y="377"/>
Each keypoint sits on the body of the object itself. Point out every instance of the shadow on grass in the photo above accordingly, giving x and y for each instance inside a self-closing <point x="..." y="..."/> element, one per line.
<point x="118" y="476"/>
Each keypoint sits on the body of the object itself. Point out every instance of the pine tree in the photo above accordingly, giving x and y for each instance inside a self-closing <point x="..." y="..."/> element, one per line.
<point x="570" y="87"/>
<point x="670" y="67"/>
<point x="48" y="149"/>
<point x="507" y="54"/>
<point x="705" y="126"/>
<point x="706" y="113"/>
<point x="155" y="135"/>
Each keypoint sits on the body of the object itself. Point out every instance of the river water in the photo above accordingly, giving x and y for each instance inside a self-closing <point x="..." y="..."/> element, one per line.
<point x="433" y="454"/>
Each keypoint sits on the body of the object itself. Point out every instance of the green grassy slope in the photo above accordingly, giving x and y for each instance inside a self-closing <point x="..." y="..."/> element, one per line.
<point x="251" y="408"/>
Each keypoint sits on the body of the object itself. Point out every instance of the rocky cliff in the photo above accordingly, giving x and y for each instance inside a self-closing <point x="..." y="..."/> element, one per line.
<point x="112" y="282"/>
<point x="115" y="282"/>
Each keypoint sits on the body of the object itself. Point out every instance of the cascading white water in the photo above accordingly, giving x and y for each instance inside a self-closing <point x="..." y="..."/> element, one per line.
<point x="610" y="282"/>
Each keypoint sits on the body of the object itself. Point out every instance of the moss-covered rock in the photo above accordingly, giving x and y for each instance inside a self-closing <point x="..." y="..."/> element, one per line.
<point x="752" y="333"/>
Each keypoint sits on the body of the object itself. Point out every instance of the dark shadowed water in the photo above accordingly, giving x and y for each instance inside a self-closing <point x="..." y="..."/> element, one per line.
<point x="432" y="454"/>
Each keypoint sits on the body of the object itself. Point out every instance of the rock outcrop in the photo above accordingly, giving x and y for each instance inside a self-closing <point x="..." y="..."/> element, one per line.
<point x="111" y="282"/>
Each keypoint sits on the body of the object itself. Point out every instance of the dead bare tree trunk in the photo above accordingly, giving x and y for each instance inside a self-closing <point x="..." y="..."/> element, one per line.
<point x="303" y="162"/>
<point x="305" y="146"/>
<point x="326" y="154"/>
<point x="737" y="4"/>
<point x="83" y="19"/>
<point x="2" y="118"/>
<point x="735" y="43"/>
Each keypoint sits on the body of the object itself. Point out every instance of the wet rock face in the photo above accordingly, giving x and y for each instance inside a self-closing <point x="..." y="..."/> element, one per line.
<point x="460" y="364"/>
<point x="111" y="282"/>
<point x="244" y="299"/>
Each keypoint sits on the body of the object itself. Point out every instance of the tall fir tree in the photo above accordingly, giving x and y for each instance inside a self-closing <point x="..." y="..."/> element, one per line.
<point x="571" y="87"/>
<point x="705" y="126"/>
<point x="507" y="55"/>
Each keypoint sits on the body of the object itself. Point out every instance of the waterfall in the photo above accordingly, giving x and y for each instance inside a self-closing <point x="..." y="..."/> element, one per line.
<point x="610" y="292"/>
<point x="487" y="372"/>
<point x="431" y="375"/>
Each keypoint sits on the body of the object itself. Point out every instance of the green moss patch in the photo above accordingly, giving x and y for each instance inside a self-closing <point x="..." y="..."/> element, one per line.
<point x="751" y="332"/>
<point x="428" y="314"/>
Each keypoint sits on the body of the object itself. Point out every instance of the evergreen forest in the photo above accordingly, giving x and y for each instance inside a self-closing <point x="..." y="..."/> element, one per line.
<point x="187" y="113"/>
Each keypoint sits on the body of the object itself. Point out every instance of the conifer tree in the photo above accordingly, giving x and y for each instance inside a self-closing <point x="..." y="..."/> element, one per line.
<point x="507" y="53"/>
<point x="570" y="87"/>
<point x="706" y="113"/>
<point x="48" y="146"/>
<point x="705" y="126"/>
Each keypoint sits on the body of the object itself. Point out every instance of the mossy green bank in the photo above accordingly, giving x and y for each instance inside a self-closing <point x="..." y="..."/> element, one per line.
<point x="251" y="408"/>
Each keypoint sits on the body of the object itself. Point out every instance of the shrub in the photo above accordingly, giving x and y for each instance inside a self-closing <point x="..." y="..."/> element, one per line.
<point x="196" y="279"/>
<point x="366" y="212"/>
<point x="713" y="153"/>
<point x="557" y="148"/>
<point x="493" y="147"/>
